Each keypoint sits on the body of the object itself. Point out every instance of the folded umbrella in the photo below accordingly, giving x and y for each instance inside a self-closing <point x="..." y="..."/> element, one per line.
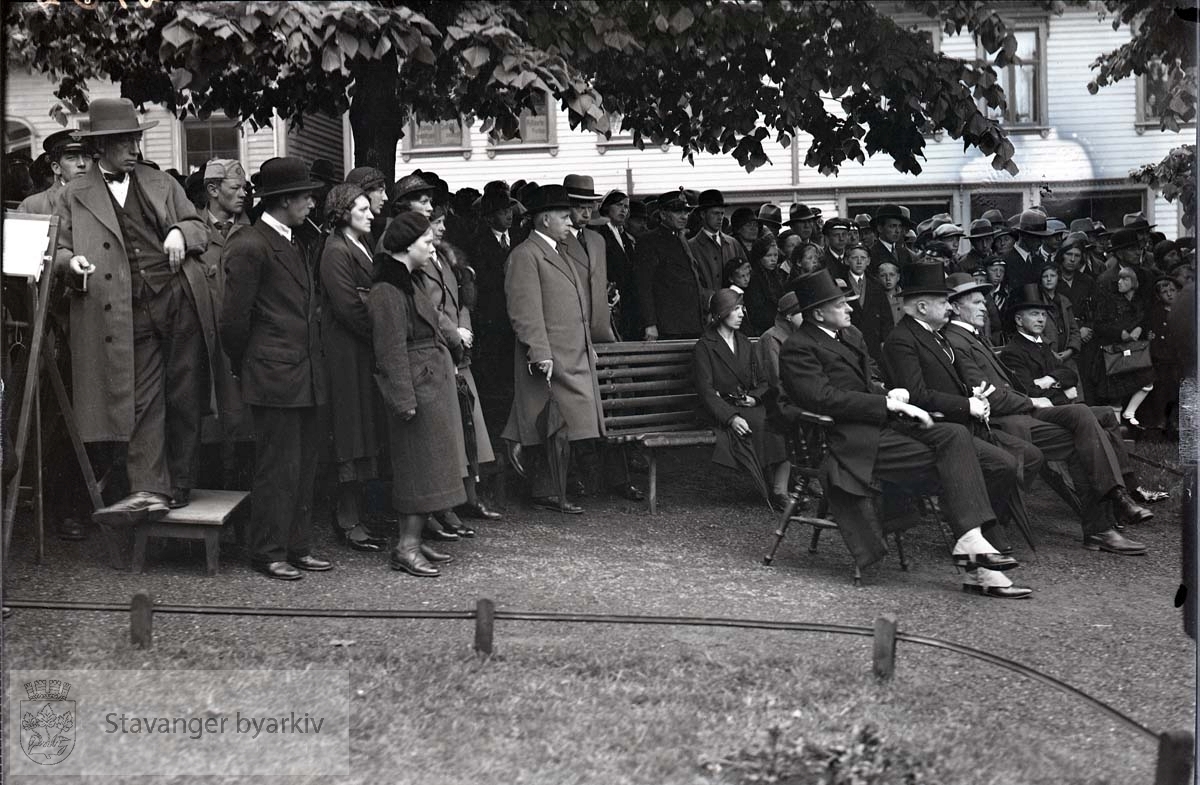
<point x="746" y="457"/>
<point x="553" y="428"/>
<point x="466" y="405"/>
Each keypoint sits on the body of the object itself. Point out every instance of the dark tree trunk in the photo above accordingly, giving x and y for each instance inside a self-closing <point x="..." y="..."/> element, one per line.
<point x="376" y="116"/>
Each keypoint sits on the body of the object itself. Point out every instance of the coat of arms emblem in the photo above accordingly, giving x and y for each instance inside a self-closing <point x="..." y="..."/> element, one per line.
<point x="47" y="722"/>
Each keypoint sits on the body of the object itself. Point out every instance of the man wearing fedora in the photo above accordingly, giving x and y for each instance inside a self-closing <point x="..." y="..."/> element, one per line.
<point x="804" y="220"/>
<point x="890" y="224"/>
<point x="769" y="219"/>
<point x="979" y="234"/>
<point x="1026" y="258"/>
<point x="1069" y="433"/>
<point x="671" y="287"/>
<point x="548" y="303"/>
<point x="68" y="160"/>
<point x="271" y="333"/>
<point x="586" y="249"/>
<point x="826" y="369"/>
<point x="130" y="237"/>
<point x="712" y="247"/>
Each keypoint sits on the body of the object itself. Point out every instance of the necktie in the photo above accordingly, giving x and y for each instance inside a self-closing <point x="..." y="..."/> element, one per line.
<point x="110" y="177"/>
<point x="985" y="339"/>
<point x="504" y="242"/>
<point x="945" y="346"/>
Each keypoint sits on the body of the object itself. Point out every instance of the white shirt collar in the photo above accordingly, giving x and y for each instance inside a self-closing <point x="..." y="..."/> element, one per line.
<point x="574" y="231"/>
<point x="284" y="231"/>
<point x="547" y="238"/>
<point x="888" y="245"/>
<point x="500" y="236"/>
<point x="716" y="236"/>
<point x="856" y="278"/>
<point x="120" y="191"/>
<point x="968" y="327"/>
<point x="617" y="233"/>
<point x="926" y="326"/>
<point x="831" y="333"/>
<point x="1030" y="338"/>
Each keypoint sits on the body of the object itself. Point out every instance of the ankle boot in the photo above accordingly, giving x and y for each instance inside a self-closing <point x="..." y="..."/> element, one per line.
<point x="1126" y="510"/>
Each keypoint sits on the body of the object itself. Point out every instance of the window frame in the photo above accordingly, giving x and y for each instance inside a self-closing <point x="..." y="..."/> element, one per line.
<point x="1114" y="188"/>
<point x="519" y="145"/>
<point x="31" y="139"/>
<point x="408" y="150"/>
<point x="1040" y="25"/>
<point x="906" y="197"/>
<point x="181" y="127"/>
<point x="1140" y="124"/>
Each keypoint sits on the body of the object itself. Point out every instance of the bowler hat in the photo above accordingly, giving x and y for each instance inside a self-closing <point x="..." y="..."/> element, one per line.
<point x="789" y="304"/>
<point x="1033" y="222"/>
<point x="547" y="197"/>
<point x="798" y="213"/>
<point x="674" y="201"/>
<point x="890" y="211"/>
<point x="61" y="142"/>
<point x="923" y="278"/>
<point x="741" y="216"/>
<point x="581" y="187"/>
<point x="1028" y="296"/>
<point x="979" y="229"/>
<point x="322" y="169"/>
<point x="1123" y="238"/>
<point x="817" y="288"/>
<point x="771" y="215"/>
<point x="964" y="283"/>
<point x="283" y="176"/>
<point x="109" y="116"/>
<point x="710" y="198"/>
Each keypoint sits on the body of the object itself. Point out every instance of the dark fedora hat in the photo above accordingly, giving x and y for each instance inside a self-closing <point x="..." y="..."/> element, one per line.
<point x="322" y="169"/>
<point x="887" y="211"/>
<point x="1033" y="222"/>
<point x="285" y="175"/>
<point x="547" y="197"/>
<point x="817" y="288"/>
<point x="1028" y="296"/>
<point x="581" y="187"/>
<point x="964" y="283"/>
<point x="62" y="142"/>
<point x="771" y="215"/>
<point x="979" y="229"/>
<point x="1137" y="222"/>
<point x="495" y="197"/>
<point x="993" y="216"/>
<point x="799" y="213"/>
<point x="1124" y="237"/>
<point x="109" y="116"/>
<point x="923" y="278"/>
<point x="710" y="198"/>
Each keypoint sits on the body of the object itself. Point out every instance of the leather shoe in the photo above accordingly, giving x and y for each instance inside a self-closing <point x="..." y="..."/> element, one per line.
<point x="180" y="497"/>
<point x="311" y="563"/>
<point x="70" y="529"/>
<point x="514" y="458"/>
<point x="630" y="492"/>
<point x="551" y="503"/>
<point x="139" y="507"/>
<point x="1000" y="592"/>
<point x="438" y="534"/>
<point x="479" y="510"/>
<point x="358" y="539"/>
<point x="435" y="556"/>
<point x="1126" y="510"/>
<point x="451" y="523"/>
<point x="989" y="561"/>
<point x="1113" y="542"/>
<point x="280" y="570"/>
<point x="412" y="562"/>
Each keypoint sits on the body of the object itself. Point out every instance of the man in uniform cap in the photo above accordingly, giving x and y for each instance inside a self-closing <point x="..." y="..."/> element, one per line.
<point x="672" y="294"/>
<point x="713" y="248"/>
<point x="68" y="160"/>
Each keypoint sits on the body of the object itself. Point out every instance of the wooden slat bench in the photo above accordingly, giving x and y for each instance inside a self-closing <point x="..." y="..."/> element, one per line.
<point x="202" y="519"/>
<point x="648" y="398"/>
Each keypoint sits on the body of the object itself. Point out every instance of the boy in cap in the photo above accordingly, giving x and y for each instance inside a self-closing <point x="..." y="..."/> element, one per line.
<point x="68" y="160"/>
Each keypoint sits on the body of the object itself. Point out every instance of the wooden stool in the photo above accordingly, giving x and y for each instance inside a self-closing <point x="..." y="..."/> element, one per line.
<point x="202" y="519"/>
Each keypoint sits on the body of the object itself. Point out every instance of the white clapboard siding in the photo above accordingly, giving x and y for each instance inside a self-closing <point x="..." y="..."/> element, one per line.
<point x="320" y="137"/>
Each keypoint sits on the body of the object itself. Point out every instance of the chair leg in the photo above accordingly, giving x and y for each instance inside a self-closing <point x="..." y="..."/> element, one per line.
<point x="783" y="527"/>
<point x="138" y="564"/>
<point x="857" y="575"/>
<point x="900" y="552"/>
<point x="812" y="546"/>
<point x="652" y="461"/>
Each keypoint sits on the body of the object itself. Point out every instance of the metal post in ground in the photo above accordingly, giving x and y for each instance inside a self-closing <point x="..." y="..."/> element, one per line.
<point x="485" y="620"/>
<point x="885" y="646"/>
<point x="141" y="621"/>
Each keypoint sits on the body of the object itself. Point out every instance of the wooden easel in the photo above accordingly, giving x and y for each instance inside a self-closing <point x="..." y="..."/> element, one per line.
<point x="39" y="278"/>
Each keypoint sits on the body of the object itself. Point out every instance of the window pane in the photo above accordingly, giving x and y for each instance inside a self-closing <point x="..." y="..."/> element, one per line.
<point x="1107" y="206"/>
<point x="535" y="129"/>
<point x="205" y="140"/>
<point x="445" y="133"/>
<point x="1023" y="97"/>
<point x="1027" y="44"/>
<point x="1155" y="83"/>
<point x="1008" y="203"/>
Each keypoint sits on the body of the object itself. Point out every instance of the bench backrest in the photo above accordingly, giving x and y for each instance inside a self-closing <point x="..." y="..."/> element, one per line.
<point x="646" y="386"/>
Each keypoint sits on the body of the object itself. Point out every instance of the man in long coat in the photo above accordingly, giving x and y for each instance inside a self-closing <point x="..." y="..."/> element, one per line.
<point x="711" y="247"/>
<point x="549" y="308"/>
<point x="671" y="286"/>
<point x="587" y="251"/>
<point x="129" y="236"/>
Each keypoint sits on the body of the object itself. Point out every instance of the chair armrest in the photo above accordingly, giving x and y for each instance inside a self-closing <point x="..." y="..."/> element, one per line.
<point x="812" y="418"/>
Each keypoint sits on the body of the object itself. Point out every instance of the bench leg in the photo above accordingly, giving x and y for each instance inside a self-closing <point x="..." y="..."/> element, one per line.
<point x="212" y="550"/>
<point x="900" y="552"/>
<point x="138" y="564"/>
<point x="812" y="546"/>
<point x="652" y="461"/>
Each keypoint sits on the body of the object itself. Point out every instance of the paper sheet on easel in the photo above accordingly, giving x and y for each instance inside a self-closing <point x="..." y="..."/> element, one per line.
<point x="26" y="241"/>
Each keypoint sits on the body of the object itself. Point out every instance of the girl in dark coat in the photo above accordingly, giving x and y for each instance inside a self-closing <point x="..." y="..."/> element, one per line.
<point x="346" y="333"/>
<point x="1062" y="331"/>
<point x="731" y="389"/>
<point x="416" y="377"/>
<point x="766" y="286"/>
<point x="1120" y="317"/>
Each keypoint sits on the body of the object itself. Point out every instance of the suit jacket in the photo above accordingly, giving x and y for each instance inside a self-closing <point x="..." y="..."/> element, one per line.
<point x="101" y="333"/>
<point x="1020" y="271"/>
<point x="489" y="261"/>
<point x="1062" y="331"/>
<point x="969" y="262"/>
<point x="671" y="293"/>
<point x="1028" y="361"/>
<point x="900" y="256"/>
<point x="232" y="420"/>
<point x="712" y="259"/>
<point x="618" y="259"/>
<point x="765" y="289"/>
<point x="977" y="363"/>
<point x="872" y="313"/>
<point x="586" y="249"/>
<point x="913" y="359"/>
<point x="269" y="320"/>
<point x="835" y="265"/>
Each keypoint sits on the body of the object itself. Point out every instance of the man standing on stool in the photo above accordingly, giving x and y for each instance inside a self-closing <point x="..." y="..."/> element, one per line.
<point x="137" y="341"/>
<point x="271" y="334"/>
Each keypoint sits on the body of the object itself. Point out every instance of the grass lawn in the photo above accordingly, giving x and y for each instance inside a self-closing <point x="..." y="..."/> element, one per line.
<point x="566" y="703"/>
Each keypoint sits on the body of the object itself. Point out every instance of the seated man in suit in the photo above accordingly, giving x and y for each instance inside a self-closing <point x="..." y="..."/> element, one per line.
<point x="917" y="358"/>
<point x="826" y="369"/>
<point x="1068" y="433"/>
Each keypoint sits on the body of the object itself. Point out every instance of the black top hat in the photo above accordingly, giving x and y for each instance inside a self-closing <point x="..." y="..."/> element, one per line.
<point x="1124" y="238"/>
<point x="547" y="197"/>
<point x="1028" y="296"/>
<point x="285" y="175"/>
<point x="817" y="288"/>
<point x="581" y="187"/>
<point x="923" y="278"/>
<point x="59" y="143"/>
<point x="890" y="211"/>
<point x="710" y="198"/>
<point x="964" y="283"/>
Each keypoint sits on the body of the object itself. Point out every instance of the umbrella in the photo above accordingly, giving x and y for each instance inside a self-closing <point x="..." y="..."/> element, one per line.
<point x="466" y="405"/>
<point x="553" y="427"/>
<point x="746" y="457"/>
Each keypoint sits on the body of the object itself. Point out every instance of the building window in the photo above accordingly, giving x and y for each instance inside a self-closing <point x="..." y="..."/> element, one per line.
<point x="1009" y="203"/>
<point x="18" y="139"/>
<point x="920" y="206"/>
<point x="204" y="140"/>
<point x="1110" y="207"/>
<point x="435" y="137"/>
<point x="539" y="131"/>
<point x="1153" y="96"/>
<point x="1023" y="82"/>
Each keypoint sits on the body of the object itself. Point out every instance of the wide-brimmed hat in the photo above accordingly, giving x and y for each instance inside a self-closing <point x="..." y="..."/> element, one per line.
<point x="1082" y="225"/>
<point x="798" y="213"/>
<point x="993" y="216"/>
<point x="1033" y="222"/>
<point x="581" y="187"/>
<point x="891" y="211"/>
<point x="789" y="304"/>
<point x="110" y="116"/>
<point x="674" y="201"/>
<point x="547" y="197"/>
<point x="964" y="283"/>
<point x="710" y="198"/>
<point x="817" y="288"/>
<point x="923" y="278"/>
<point x="62" y="142"/>
<point x="411" y="185"/>
<point x="1028" y="296"/>
<point x="285" y="175"/>
<point x="495" y="197"/>
<point x="979" y="229"/>
<point x="1137" y="222"/>
<point x="770" y="215"/>
<point x="1124" y="237"/>
<point x="863" y="220"/>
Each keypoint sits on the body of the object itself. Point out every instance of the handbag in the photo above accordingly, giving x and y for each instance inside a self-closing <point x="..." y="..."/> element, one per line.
<point x="1127" y="357"/>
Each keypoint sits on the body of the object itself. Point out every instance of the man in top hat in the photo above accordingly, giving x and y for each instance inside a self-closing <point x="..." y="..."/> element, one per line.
<point x="1027" y="256"/>
<point x="980" y="235"/>
<point x="1096" y="461"/>
<point x="672" y="294"/>
<point x="271" y="335"/>
<point x="837" y="239"/>
<point x="549" y="304"/>
<point x="615" y="211"/>
<point x="890" y="223"/>
<point x="825" y="368"/>
<point x="68" y="160"/>
<point x="713" y="248"/>
<point x="586" y="249"/>
<point x="803" y="220"/>
<point x="130" y="237"/>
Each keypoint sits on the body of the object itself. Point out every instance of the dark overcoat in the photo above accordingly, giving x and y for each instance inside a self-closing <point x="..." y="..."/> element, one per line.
<point x="416" y="371"/>
<point x="913" y="360"/>
<point x="269" y="320"/>
<point x="1028" y="360"/>
<point x="671" y="294"/>
<point x="101" y="332"/>
<point x="618" y="257"/>
<point x="232" y="421"/>
<point x="346" y="336"/>
<point x="872" y="314"/>
<point x="762" y="299"/>
<point x="548" y="305"/>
